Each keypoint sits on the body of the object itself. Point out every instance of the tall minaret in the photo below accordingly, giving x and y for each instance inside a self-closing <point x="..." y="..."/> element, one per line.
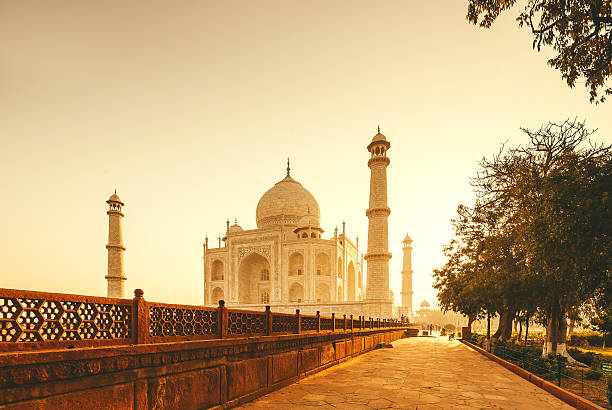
<point x="407" y="275"/>
<point x="378" y="255"/>
<point x="116" y="275"/>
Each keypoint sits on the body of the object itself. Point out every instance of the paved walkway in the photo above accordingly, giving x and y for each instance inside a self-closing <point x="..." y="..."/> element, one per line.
<point x="417" y="373"/>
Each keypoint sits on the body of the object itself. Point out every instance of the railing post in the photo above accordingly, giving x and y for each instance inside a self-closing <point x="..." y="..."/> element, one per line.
<point x="351" y="323"/>
<point x="333" y="329"/>
<point x="299" y="321"/>
<point x="359" y="321"/>
<point x="268" y="321"/>
<point x="222" y="319"/>
<point x="140" y="321"/>
<point x="344" y="322"/>
<point x="318" y="321"/>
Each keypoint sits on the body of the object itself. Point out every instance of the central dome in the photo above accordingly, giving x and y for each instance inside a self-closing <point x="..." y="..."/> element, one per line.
<point x="285" y="203"/>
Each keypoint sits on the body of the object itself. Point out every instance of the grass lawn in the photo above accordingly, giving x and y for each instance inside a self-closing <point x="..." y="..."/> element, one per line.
<point x="607" y="352"/>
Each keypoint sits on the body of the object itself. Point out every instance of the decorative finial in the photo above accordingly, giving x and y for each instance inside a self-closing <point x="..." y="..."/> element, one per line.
<point x="288" y="167"/>
<point x="379" y="129"/>
<point x="235" y="221"/>
<point x="115" y="191"/>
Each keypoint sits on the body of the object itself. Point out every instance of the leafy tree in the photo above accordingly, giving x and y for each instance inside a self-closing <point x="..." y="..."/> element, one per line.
<point x="537" y="241"/>
<point x="568" y="234"/>
<point x="579" y="31"/>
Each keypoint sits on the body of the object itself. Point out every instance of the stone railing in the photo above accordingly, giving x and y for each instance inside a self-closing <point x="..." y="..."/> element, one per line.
<point x="38" y="320"/>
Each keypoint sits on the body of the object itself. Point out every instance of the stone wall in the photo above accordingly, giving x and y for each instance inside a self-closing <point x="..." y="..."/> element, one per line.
<point x="177" y="375"/>
<point x="75" y="351"/>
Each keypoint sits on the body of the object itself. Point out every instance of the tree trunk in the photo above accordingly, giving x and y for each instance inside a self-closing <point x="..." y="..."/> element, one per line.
<point x="470" y="321"/>
<point x="488" y="331"/>
<point x="556" y="333"/>
<point x="520" y="330"/>
<point x="570" y="329"/>
<point x="504" y="330"/>
<point x="552" y="326"/>
<point x="526" y="328"/>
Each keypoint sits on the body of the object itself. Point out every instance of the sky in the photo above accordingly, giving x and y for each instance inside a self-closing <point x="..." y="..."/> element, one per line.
<point x="190" y="109"/>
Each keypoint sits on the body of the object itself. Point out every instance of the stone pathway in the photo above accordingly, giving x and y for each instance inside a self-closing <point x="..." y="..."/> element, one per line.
<point x="417" y="373"/>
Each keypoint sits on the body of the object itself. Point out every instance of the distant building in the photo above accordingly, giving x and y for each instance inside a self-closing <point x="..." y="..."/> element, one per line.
<point x="426" y="316"/>
<point x="287" y="263"/>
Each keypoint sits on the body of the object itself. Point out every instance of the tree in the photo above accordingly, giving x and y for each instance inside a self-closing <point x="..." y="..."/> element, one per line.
<point x="579" y="31"/>
<point x="538" y="238"/>
<point x="568" y="234"/>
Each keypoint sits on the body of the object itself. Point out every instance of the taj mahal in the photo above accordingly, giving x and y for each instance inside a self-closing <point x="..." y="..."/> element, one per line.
<point x="287" y="263"/>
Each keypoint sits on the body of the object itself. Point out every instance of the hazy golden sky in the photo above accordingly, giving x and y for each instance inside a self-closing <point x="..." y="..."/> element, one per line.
<point x="191" y="108"/>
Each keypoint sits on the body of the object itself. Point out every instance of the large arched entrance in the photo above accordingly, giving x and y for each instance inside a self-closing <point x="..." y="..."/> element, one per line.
<point x="252" y="270"/>
<point x="350" y="279"/>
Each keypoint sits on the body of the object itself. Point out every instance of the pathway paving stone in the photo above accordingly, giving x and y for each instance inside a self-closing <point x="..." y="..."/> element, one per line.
<point x="417" y="373"/>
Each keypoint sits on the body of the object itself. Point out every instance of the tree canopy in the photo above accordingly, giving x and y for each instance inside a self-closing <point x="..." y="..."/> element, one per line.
<point x="579" y="31"/>
<point x="538" y="237"/>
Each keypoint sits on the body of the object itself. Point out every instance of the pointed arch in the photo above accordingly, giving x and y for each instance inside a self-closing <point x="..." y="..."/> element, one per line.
<point x="216" y="270"/>
<point x="351" y="281"/>
<point x="250" y="273"/>
<point x="322" y="293"/>
<point x="216" y="295"/>
<point x="296" y="293"/>
<point x="322" y="264"/>
<point x="296" y="264"/>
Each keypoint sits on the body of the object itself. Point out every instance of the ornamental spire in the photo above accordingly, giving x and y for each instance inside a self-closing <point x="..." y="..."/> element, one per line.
<point x="288" y="167"/>
<point x="379" y="129"/>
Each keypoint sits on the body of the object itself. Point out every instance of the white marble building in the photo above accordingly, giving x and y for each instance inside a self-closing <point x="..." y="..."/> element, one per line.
<point x="284" y="260"/>
<point x="287" y="264"/>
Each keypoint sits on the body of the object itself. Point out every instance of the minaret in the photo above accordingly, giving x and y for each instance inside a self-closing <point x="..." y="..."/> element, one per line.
<point x="407" y="275"/>
<point x="378" y="255"/>
<point x="116" y="275"/>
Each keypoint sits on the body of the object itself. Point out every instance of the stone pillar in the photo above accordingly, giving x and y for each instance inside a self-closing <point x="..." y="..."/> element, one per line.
<point x="115" y="277"/>
<point x="407" y="276"/>
<point x="378" y="255"/>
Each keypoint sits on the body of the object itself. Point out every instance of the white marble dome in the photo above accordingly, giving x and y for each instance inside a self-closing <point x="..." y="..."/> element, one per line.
<point x="285" y="203"/>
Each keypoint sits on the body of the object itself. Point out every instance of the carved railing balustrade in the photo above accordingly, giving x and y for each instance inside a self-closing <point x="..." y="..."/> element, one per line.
<point x="39" y="320"/>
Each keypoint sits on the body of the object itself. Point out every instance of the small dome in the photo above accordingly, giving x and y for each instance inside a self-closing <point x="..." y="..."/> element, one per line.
<point x="407" y="239"/>
<point x="425" y="304"/>
<point x="285" y="203"/>
<point x="115" y="198"/>
<point x="379" y="137"/>
<point x="235" y="228"/>
<point x="308" y="221"/>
